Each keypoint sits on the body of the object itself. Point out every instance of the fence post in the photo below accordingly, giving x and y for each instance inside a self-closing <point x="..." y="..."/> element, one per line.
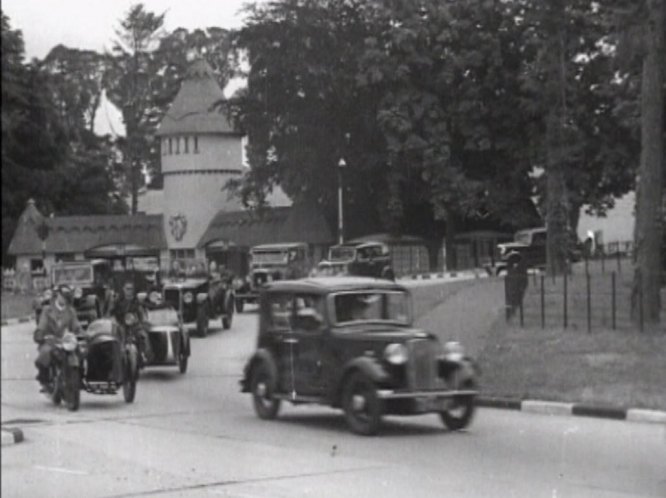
<point x="566" y="315"/>
<point x="619" y="260"/>
<point x="640" y="300"/>
<point x="603" y="261"/>
<point x="543" y="303"/>
<point x="613" y="311"/>
<point x="589" y="304"/>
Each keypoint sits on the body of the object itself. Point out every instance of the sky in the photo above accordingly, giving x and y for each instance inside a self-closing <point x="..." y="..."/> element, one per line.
<point x="91" y="24"/>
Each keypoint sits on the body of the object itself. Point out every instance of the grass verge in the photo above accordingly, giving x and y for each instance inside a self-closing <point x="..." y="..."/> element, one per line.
<point x="604" y="368"/>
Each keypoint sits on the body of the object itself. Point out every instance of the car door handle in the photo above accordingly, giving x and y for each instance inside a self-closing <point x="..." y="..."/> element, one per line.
<point x="290" y="340"/>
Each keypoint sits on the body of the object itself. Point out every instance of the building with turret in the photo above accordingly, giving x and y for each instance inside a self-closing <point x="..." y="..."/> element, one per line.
<point x="192" y="216"/>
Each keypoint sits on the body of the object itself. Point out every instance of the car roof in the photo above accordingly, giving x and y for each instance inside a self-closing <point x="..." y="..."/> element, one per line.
<point x="266" y="247"/>
<point x="532" y="230"/>
<point x="363" y="243"/>
<point x="324" y="285"/>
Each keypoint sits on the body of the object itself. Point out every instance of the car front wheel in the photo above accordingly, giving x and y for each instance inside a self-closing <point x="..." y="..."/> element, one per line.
<point x="460" y="414"/>
<point x="263" y="384"/>
<point x="363" y="409"/>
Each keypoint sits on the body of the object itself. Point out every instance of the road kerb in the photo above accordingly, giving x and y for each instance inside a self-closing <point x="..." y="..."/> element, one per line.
<point x="651" y="416"/>
<point x="547" y="407"/>
<point x="11" y="436"/>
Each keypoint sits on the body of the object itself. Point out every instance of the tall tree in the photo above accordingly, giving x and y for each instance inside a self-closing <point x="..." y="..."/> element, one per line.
<point x="130" y="85"/>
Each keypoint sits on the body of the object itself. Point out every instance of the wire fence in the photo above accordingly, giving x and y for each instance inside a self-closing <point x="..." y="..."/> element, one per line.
<point x="597" y="293"/>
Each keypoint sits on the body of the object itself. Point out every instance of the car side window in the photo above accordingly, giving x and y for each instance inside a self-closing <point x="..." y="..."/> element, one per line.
<point x="308" y="313"/>
<point x="280" y="308"/>
<point x="539" y="239"/>
<point x="363" y="254"/>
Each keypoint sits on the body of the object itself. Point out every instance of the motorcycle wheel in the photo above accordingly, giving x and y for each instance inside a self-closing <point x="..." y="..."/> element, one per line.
<point x="183" y="356"/>
<point x="239" y="305"/>
<point x="72" y="388"/>
<point x="228" y="317"/>
<point x="131" y="376"/>
<point x="460" y="415"/>
<point x="54" y="390"/>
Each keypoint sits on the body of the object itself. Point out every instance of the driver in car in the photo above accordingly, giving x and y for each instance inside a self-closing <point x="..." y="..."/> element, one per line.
<point x="54" y="321"/>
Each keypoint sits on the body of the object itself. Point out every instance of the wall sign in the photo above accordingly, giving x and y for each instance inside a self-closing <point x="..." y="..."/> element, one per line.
<point x="178" y="224"/>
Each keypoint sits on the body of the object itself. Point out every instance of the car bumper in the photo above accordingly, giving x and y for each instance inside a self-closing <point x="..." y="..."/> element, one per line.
<point x="417" y="402"/>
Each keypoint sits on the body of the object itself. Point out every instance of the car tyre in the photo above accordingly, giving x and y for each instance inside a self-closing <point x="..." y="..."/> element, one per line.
<point x="362" y="406"/>
<point x="461" y="414"/>
<point x="202" y="322"/>
<point x="239" y="305"/>
<point x="263" y="388"/>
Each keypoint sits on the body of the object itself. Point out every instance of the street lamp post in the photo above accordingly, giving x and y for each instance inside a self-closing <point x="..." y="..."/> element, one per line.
<point x="341" y="165"/>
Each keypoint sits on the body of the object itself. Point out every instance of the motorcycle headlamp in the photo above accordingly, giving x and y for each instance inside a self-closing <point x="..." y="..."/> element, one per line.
<point x="78" y="292"/>
<point x="130" y="319"/>
<point x="155" y="297"/>
<point x="454" y="351"/>
<point x="188" y="297"/>
<point x="237" y="283"/>
<point x="396" y="354"/>
<point x="69" y="342"/>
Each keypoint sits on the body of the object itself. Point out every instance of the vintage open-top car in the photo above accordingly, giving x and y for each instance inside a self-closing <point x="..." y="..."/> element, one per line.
<point x="270" y="262"/>
<point x="90" y="281"/>
<point x="366" y="259"/>
<point x="197" y="295"/>
<point x="348" y="342"/>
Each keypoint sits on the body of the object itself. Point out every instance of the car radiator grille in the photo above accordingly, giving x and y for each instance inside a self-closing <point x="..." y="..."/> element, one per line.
<point x="422" y="372"/>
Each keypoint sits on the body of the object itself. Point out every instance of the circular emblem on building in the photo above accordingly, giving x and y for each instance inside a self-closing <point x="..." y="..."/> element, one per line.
<point x="178" y="224"/>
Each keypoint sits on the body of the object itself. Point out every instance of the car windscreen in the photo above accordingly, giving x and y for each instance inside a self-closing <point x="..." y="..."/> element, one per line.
<point x="270" y="257"/>
<point x="372" y="306"/>
<point x="73" y="274"/>
<point x="341" y="253"/>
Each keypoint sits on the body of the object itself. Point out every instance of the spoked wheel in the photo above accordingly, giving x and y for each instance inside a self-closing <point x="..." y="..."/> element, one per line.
<point x="228" y="317"/>
<point x="131" y="376"/>
<point x="363" y="409"/>
<point x="54" y="390"/>
<point x="72" y="388"/>
<point x="263" y="385"/>
<point x="183" y="357"/>
<point x="462" y="410"/>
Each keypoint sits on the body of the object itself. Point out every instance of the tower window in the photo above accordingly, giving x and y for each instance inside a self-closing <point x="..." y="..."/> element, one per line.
<point x="170" y="146"/>
<point x="196" y="144"/>
<point x="177" y="145"/>
<point x="186" y="144"/>
<point x="163" y="146"/>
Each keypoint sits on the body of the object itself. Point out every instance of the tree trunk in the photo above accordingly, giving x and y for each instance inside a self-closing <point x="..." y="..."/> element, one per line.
<point x="451" y="230"/>
<point x="649" y="183"/>
<point x="556" y="193"/>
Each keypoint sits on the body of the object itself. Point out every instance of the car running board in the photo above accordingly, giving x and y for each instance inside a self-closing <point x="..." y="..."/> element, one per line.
<point x="299" y="398"/>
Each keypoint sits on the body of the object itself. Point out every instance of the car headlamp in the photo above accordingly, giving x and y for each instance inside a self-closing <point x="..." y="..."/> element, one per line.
<point x="454" y="351"/>
<point x="69" y="342"/>
<point x="237" y="283"/>
<point x="155" y="297"/>
<point x="396" y="354"/>
<point x="188" y="297"/>
<point x="78" y="292"/>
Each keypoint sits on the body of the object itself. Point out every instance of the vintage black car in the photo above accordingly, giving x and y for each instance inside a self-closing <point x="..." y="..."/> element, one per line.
<point x="366" y="259"/>
<point x="198" y="296"/>
<point x="270" y="262"/>
<point x="348" y="342"/>
<point x="91" y="284"/>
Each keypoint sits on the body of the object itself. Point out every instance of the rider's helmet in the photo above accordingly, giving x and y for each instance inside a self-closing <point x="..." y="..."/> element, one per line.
<point x="66" y="292"/>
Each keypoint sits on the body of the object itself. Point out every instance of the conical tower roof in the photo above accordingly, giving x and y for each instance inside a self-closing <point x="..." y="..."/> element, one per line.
<point x="26" y="238"/>
<point x="190" y="112"/>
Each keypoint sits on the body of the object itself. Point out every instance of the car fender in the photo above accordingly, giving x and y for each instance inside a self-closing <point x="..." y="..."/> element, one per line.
<point x="367" y="366"/>
<point x="260" y="356"/>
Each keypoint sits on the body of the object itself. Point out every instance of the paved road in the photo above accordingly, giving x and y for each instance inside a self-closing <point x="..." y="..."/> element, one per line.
<point x="196" y="435"/>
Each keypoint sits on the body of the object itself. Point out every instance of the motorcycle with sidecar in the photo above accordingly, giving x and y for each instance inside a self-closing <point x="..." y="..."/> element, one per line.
<point x="101" y="360"/>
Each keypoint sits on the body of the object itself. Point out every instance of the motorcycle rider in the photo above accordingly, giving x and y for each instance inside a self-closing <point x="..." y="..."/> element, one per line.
<point x="129" y="303"/>
<point x="55" y="320"/>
